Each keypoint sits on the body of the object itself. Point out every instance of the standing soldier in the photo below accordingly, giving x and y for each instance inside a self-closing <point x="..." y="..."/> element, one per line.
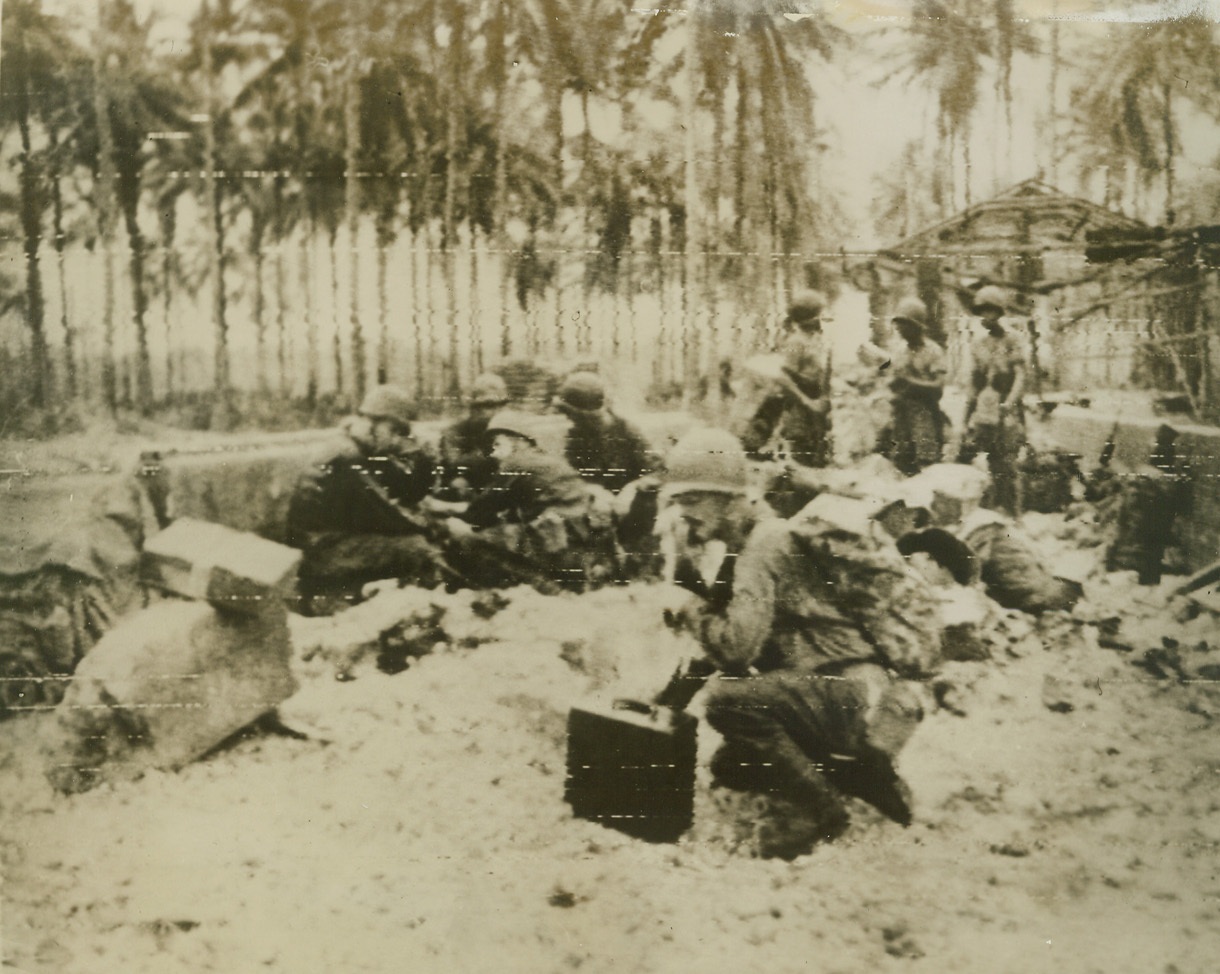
<point x="465" y="448"/>
<point x="995" y="418"/>
<point x="917" y="430"/>
<point x="800" y="407"/>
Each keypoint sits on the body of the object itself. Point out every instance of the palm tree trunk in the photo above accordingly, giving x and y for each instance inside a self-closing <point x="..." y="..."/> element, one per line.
<point x="221" y="377"/>
<point x="416" y="326"/>
<point x="476" y="336"/>
<point x="258" y="232"/>
<point x="65" y="322"/>
<point x="104" y="205"/>
<point x="337" y="337"/>
<point x="281" y="322"/>
<point x="282" y="348"/>
<point x="168" y="229"/>
<point x="383" y="303"/>
<point x="690" y="196"/>
<point x="498" y="59"/>
<point x="449" y="208"/>
<point x="351" y="138"/>
<point x="139" y="293"/>
<point x="1170" y="151"/>
<point x="313" y="353"/>
<point x="31" y="231"/>
<point x="1053" y="95"/>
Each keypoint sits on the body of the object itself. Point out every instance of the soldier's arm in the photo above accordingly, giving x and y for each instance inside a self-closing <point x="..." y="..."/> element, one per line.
<point x="733" y="638"/>
<point x="1018" y="378"/>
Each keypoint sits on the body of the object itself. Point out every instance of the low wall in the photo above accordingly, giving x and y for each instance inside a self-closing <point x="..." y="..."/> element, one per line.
<point x="1085" y="431"/>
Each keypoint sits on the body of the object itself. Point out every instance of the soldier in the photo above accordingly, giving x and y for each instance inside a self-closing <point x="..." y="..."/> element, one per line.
<point x="798" y="613"/>
<point x="917" y="430"/>
<point x="356" y="516"/>
<point x="536" y="521"/>
<point x="603" y="448"/>
<point x="465" y="447"/>
<point x="800" y="408"/>
<point x="995" y="418"/>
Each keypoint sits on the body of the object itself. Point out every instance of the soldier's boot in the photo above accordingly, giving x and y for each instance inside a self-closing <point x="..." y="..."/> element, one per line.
<point x="870" y="774"/>
<point x="803" y="807"/>
<point x="799" y="817"/>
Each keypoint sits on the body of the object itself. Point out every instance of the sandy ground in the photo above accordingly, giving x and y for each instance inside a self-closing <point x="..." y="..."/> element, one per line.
<point x="423" y="826"/>
<point x="1067" y="818"/>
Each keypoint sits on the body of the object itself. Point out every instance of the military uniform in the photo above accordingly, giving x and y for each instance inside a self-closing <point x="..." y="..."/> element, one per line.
<point x="355" y="517"/>
<point x="538" y="523"/>
<point x="463" y="449"/>
<point x="918" y="424"/>
<point x="607" y="450"/>
<point x="805" y="430"/>
<point x="814" y="622"/>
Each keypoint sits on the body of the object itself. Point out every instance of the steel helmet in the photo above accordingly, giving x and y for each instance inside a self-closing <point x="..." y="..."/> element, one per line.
<point x="488" y="390"/>
<point x="707" y="460"/>
<point x="806" y="306"/>
<point x="912" y="310"/>
<point x="582" y="391"/>
<point x="517" y="422"/>
<point x="990" y="297"/>
<point x="389" y="402"/>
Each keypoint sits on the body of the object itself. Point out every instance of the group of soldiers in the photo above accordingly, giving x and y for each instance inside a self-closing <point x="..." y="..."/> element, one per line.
<point x="512" y="496"/>
<point x="798" y="413"/>
<point x="816" y="620"/>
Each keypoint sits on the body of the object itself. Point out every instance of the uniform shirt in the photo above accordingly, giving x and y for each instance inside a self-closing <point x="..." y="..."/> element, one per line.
<point x="806" y="359"/>
<point x="355" y="493"/>
<point x="995" y="361"/>
<point x="525" y="485"/>
<point x="923" y="364"/>
<point x="810" y="600"/>
<point x="607" y="450"/>
<point x="464" y="451"/>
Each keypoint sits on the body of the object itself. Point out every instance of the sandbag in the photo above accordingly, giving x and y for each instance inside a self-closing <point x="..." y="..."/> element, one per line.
<point x="164" y="687"/>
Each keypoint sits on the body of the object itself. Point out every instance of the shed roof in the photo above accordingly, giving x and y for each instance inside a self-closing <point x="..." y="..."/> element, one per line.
<point x="1030" y="217"/>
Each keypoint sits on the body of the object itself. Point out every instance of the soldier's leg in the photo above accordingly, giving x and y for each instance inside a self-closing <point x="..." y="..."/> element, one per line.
<point x="756" y="716"/>
<point x="876" y="714"/>
<point x="337" y="567"/>
<point x="762" y="424"/>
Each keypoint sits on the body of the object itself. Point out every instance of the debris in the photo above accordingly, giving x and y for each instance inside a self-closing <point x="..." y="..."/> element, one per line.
<point x="409" y="640"/>
<point x="1056" y="695"/>
<point x="951" y="491"/>
<point x="1163" y="662"/>
<point x="164" y="687"/>
<point x="487" y="604"/>
<point x="965" y="614"/>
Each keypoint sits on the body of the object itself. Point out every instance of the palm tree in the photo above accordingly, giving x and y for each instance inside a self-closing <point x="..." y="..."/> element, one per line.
<point x="1136" y="75"/>
<point x="139" y="99"/>
<point x="291" y="93"/>
<point x="949" y="45"/>
<point x="36" y="51"/>
<point x="104" y="200"/>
